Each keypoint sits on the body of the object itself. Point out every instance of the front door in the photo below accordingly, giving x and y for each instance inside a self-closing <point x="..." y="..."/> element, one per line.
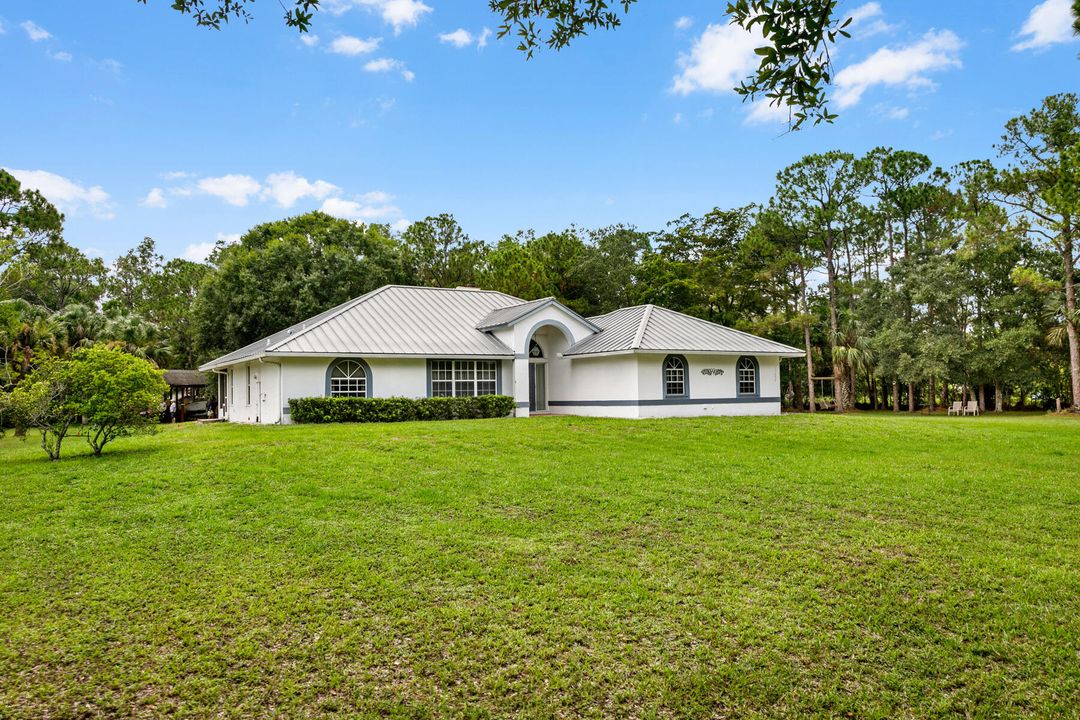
<point x="537" y="387"/>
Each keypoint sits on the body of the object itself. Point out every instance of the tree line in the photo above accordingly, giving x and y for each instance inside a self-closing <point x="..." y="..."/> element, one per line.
<point x="908" y="285"/>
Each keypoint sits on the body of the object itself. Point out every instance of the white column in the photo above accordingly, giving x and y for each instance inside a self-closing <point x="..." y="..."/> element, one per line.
<point x="521" y="386"/>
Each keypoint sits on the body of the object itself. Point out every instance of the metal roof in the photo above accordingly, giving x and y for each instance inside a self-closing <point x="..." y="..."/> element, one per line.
<point x="657" y="329"/>
<point x="501" y="317"/>
<point x="393" y="320"/>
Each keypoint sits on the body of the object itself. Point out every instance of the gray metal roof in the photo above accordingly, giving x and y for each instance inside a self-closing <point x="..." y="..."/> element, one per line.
<point x="393" y="320"/>
<point x="501" y="317"/>
<point x="657" y="329"/>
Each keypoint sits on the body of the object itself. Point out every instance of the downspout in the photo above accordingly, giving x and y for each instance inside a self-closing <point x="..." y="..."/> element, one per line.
<point x="281" y="400"/>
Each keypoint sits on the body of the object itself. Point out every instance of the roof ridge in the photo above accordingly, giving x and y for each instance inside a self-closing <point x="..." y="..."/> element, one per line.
<point x="645" y="316"/>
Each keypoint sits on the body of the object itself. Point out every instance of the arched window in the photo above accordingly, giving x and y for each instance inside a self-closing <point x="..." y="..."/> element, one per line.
<point x="348" y="378"/>
<point x="535" y="351"/>
<point x="675" y="381"/>
<point x="746" y="376"/>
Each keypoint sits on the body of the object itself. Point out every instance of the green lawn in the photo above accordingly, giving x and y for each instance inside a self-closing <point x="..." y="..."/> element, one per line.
<point x="862" y="566"/>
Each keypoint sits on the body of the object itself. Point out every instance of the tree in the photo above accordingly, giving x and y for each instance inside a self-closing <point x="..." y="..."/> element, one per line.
<point x="43" y="401"/>
<point x="822" y="192"/>
<point x="54" y="275"/>
<point x="171" y="294"/>
<point x="440" y="254"/>
<point x="27" y="220"/>
<point x="1043" y="183"/>
<point x="215" y="13"/>
<point x="283" y="272"/>
<point x="130" y="279"/>
<point x="114" y="393"/>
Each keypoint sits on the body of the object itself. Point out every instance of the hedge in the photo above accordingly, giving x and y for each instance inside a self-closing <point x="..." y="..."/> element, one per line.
<point x="398" y="409"/>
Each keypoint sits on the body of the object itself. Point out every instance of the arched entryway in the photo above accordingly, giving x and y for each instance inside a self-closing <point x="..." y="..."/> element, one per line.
<point x="546" y="368"/>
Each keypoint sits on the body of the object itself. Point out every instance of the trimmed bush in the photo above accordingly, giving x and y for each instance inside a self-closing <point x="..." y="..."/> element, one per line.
<point x="398" y="409"/>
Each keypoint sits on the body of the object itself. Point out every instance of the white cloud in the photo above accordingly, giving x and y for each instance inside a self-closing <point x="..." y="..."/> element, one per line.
<point x="376" y="197"/>
<point x="721" y="57"/>
<point x="867" y="21"/>
<point x="677" y="119"/>
<point x="482" y="41"/>
<point x="68" y="195"/>
<point x="154" y="199"/>
<point x="400" y="225"/>
<point x="112" y="65"/>
<point x="198" y="252"/>
<point x="370" y="206"/>
<point x="176" y="175"/>
<point x="233" y="189"/>
<point x="287" y="187"/>
<point x="3" y="30"/>
<point x="398" y="13"/>
<point x="459" y="38"/>
<point x="348" y="45"/>
<point x="897" y="113"/>
<point x="764" y="113"/>
<point x="35" y="32"/>
<point x="62" y="56"/>
<point x="1048" y="23"/>
<point x="309" y="39"/>
<point x="907" y="65"/>
<point x="381" y="65"/>
<point x="684" y="23"/>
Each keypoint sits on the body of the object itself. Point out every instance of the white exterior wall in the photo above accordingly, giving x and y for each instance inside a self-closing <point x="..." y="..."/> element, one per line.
<point x="631" y="386"/>
<point x="708" y="387"/>
<point x="597" y="379"/>
<point x="556" y="323"/>
<point x="306" y="377"/>
<point x="258" y="405"/>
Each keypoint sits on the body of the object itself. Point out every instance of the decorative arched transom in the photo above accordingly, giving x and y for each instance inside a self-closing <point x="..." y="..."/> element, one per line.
<point x="676" y="377"/>
<point x="747" y="377"/>
<point x="348" y="377"/>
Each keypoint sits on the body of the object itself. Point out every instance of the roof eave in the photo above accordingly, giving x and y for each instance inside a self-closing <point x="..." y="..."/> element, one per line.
<point x="684" y="351"/>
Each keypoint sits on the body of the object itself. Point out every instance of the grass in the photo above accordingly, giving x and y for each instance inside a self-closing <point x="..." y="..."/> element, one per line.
<point x="863" y="566"/>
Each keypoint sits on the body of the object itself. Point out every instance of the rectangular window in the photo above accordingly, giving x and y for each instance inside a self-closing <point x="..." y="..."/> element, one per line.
<point x="747" y="381"/>
<point x="463" y="378"/>
<point x="442" y="378"/>
<point x="248" y="384"/>
<point x="674" y="381"/>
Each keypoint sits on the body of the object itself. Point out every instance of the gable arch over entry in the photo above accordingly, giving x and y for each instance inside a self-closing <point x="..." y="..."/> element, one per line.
<point x="568" y="335"/>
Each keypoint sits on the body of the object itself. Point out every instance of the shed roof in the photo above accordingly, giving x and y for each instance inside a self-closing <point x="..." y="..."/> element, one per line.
<point x="393" y="320"/>
<point x="185" y="378"/>
<point x="657" y="329"/>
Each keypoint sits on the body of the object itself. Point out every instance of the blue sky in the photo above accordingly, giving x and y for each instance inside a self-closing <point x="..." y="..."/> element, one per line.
<point x="136" y="123"/>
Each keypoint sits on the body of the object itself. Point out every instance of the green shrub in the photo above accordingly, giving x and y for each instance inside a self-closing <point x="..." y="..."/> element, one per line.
<point x="398" y="409"/>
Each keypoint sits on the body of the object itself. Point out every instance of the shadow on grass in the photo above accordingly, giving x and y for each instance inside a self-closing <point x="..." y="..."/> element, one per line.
<point x="79" y="452"/>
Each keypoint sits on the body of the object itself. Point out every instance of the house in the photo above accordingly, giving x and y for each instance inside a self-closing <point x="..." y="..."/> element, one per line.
<point x="644" y="361"/>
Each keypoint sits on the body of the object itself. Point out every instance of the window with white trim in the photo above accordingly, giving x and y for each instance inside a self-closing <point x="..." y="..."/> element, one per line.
<point x="463" y="378"/>
<point x="248" y="384"/>
<point x="746" y="373"/>
<point x="348" y="378"/>
<point x="674" y="376"/>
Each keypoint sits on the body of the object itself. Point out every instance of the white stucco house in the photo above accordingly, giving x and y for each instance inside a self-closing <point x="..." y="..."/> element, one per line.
<point x="637" y="362"/>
